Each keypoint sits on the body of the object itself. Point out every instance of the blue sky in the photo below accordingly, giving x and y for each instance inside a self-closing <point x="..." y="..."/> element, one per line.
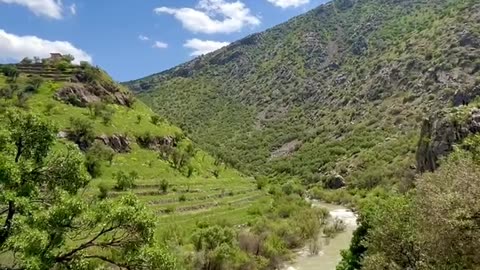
<point x="134" y="38"/>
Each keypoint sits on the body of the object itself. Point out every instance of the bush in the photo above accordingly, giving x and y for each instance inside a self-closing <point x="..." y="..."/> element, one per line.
<point x="81" y="132"/>
<point x="164" y="186"/>
<point x="94" y="166"/>
<point x="104" y="189"/>
<point x="155" y="119"/>
<point x="182" y="198"/>
<point x="125" y="181"/>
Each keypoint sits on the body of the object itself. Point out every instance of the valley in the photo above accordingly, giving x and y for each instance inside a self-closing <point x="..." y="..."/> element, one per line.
<point x="345" y="138"/>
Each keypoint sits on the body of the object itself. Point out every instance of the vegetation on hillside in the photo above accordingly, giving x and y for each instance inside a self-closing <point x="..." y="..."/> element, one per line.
<point x="102" y="181"/>
<point x="340" y="90"/>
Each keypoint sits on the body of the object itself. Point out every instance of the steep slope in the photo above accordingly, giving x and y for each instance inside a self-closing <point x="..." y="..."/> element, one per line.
<point x="339" y="91"/>
<point x="124" y="140"/>
<point x="207" y="214"/>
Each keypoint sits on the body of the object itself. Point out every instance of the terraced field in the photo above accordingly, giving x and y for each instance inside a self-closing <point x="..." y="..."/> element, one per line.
<point x="213" y="193"/>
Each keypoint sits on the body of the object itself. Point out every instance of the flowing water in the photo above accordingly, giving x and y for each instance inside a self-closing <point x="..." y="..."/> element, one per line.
<point x="329" y="256"/>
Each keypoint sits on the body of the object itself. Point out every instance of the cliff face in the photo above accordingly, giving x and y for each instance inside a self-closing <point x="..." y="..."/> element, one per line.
<point x="441" y="132"/>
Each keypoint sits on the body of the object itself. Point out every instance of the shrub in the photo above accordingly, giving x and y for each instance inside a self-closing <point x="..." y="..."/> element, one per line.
<point x="94" y="166"/>
<point x="103" y="189"/>
<point x="107" y="115"/>
<point x="164" y="186"/>
<point x="155" y="119"/>
<point x="182" y="198"/>
<point x="81" y="132"/>
<point x="125" y="181"/>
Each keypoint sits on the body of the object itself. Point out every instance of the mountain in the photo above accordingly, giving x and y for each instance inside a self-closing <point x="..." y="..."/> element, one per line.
<point x="340" y="91"/>
<point x="91" y="176"/>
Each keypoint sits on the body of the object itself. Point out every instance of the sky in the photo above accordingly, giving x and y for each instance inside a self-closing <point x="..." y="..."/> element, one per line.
<point x="131" y="39"/>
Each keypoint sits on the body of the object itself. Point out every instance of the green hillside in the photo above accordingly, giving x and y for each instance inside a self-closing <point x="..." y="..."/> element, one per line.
<point x="129" y="150"/>
<point x="339" y="91"/>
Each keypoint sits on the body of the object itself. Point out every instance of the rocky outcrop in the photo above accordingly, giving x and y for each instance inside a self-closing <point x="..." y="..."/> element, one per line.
<point x="286" y="149"/>
<point x="119" y="143"/>
<point x="79" y="94"/>
<point x="155" y="142"/>
<point x="440" y="133"/>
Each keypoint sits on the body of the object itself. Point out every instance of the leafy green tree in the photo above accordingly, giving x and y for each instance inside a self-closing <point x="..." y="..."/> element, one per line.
<point x="35" y="82"/>
<point x="11" y="72"/>
<point x="81" y="132"/>
<point x="214" y="246"/>
<point x="125" y="181"/>
<point x="47" y="224"/>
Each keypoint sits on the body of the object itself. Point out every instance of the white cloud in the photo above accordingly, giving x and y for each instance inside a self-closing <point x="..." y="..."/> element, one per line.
<point x="73" y="9"/>
<point x="17" y="47"/>
<point x="143" y="38"/>
<point x="47" y="8"/>
<point x="203" y="46"/>
<point x="160" y="45"/>
<point x="213" y="16"/>
<point x="289" y="3"/>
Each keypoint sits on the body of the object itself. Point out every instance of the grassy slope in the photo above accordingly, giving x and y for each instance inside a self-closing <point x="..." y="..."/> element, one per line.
<point x="278" y="86"/>
<point x="229" y="195"/>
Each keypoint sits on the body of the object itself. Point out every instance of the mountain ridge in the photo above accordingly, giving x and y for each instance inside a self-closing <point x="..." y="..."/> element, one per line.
<point x="350" y="80"/>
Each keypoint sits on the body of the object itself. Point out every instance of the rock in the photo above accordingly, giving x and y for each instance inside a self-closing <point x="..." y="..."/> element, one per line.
<point x="156" y="142"/>
<point x="467" y="39"/>
<point x="465" y="97"/>
<point x="80" y="95"/>
<point x="119" y="143"/>
<point x="335" y="181"/>
<point x="286" y="149"/>
<point x="439" y="134"/>
<point x="62" y="135"/>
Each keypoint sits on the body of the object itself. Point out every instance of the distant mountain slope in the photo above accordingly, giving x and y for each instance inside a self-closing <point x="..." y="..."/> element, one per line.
<point x="340" y="90"/>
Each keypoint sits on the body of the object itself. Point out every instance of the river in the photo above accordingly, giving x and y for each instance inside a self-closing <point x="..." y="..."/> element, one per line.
<point x="329" y="256"/>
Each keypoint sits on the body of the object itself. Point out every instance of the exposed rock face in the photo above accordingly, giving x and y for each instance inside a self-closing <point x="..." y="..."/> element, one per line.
<point x="286" y="149"/>
<point x="119" y="143"/>
<point x="439" y="134"/>
<point x="81" y="95"/>
<point x="156" y="143"/>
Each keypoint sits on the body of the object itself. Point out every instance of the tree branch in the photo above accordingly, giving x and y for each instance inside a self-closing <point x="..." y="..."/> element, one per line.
<point x="91" y="243"/>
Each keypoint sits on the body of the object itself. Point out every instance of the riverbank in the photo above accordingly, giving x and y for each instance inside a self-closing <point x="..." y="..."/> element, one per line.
<point x="330" y="253"/>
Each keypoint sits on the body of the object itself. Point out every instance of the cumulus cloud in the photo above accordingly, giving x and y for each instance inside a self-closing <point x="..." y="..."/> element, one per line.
<point x="160" y="45"/>
<point x="200" y="47"/>
<point x="213" y="16"/>
<point x="143" y="38"/>
<point x="288" y="3"/>
<point x="17" y="47"/>
<point x="47" y="8"/>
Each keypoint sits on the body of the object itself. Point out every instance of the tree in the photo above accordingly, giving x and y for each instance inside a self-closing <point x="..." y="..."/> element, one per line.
<point x="47" y="224"/>
<point x="68" y="58"/>
<point x="448" y="213"/>
<point x="35" y="82"/>
<point x="81" y="132"/>
<point x="26" y="61"/>
<point x="214" y="246"/>
<point x="11" y="72"/>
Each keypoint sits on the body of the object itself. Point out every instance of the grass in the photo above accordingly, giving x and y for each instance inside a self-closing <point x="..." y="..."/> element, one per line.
<point x="207" y="198"/>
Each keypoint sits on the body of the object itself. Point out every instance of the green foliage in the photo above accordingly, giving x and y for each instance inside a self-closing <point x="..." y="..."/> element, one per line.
<point x="341" y="87"/>
<point x="81" y="132"/>
<point x="10" y="71"/>
<point x="125" y="181"/>
<point x="47" y="224"/>
<point x="164" y="186"/>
